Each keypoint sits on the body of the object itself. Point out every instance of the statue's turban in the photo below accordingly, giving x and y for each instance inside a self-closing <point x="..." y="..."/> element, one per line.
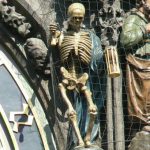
<point x="75" y="6"/>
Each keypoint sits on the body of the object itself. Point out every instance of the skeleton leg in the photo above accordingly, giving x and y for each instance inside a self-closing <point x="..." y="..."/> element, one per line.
<point x="92" y="112"/>
<point x="71" y="113"/>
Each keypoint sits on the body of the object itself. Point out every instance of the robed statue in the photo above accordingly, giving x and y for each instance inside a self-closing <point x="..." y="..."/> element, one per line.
<point x="135" y="38"/>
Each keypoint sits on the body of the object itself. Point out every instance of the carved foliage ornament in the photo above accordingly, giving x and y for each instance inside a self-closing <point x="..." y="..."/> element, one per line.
<point x="14" y="19"/>
<point x="111" y="19"/>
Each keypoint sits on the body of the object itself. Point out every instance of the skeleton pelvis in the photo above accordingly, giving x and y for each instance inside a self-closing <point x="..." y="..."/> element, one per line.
<point x="72" y="82"/>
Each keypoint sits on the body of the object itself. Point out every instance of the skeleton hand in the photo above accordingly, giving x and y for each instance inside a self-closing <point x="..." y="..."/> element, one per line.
<point x="55" y="34"/>
<point x="52" y="28"/>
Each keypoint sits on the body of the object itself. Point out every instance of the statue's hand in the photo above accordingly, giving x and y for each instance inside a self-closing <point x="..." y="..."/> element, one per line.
<point x="139" y="111"/>
<point x="147" y="28"/>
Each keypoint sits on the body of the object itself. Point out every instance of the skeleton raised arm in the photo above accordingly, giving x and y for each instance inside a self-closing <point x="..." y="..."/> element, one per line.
<point x="54" y="34"/>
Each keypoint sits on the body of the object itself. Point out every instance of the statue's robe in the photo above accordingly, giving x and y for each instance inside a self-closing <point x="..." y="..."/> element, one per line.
<point x="137" y="46"/>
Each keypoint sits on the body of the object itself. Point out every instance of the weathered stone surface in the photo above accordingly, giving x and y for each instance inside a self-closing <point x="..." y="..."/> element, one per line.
<point x="14" y="19"/>
<point x="37" y="54"/>
<point x="141" y="141"/>
<point x="41" y="9"/>
<point x="93" y="147"/>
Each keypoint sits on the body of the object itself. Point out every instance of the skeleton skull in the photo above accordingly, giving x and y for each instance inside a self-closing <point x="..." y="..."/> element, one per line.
<point x="76" y="14"/>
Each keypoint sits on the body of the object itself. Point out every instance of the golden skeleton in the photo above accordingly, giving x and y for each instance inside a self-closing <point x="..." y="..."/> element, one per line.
<point x="75" y="45"/>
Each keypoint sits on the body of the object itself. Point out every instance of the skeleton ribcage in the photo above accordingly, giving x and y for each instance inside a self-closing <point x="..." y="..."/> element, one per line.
<point x="77" y="45"/>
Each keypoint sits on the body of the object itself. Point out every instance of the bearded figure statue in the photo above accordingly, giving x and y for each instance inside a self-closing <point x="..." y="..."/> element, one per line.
<point x="81" y="72"/>
<point x="135" y="37"/>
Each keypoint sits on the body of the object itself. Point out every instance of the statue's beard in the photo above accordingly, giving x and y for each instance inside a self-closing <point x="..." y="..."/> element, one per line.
<point x="147" y="10"/>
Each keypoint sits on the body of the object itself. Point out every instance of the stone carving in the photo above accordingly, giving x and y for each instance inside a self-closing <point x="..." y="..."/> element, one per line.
<point x="14" y="19"/>
<point x="37" y="54"/>
<point x="140" y="141"/>
<point x="79" y="49"/>
<point x="111" y="19"/>
<point x="92" y="147"/>
<point x="135" y="38"/>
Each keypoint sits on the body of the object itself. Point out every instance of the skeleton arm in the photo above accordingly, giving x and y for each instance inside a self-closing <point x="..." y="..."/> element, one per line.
<point x="54" y="34"/>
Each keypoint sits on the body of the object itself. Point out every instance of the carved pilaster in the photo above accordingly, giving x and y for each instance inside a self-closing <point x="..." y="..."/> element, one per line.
<point x="111" y="19"/>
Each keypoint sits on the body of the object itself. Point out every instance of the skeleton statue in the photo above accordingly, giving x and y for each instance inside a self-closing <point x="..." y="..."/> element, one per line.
<point x="79" y="49"/>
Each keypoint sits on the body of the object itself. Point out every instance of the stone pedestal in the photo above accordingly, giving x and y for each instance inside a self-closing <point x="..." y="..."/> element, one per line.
<point x="141" y="141"/>
<point x="92" y="147"/>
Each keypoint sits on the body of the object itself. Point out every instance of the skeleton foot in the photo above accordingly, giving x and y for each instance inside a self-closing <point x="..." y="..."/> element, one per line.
<point x="93" y="113"/>
<point x="87" y="143"/>
<point x="92" y="109"/>
<point x="73" y="118"/>
<point x="71" y="113"/>
<point x="146" y="128"/>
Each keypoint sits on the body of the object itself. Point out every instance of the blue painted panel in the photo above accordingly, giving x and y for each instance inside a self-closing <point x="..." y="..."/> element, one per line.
<point x="12" y="99"/>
